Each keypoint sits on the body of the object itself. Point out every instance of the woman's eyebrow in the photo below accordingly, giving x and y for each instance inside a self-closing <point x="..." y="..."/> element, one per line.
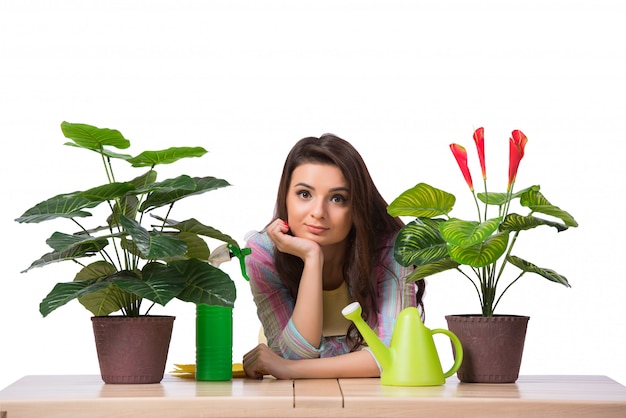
<point x="335" y="189"/>
<point x="301" y="184"/>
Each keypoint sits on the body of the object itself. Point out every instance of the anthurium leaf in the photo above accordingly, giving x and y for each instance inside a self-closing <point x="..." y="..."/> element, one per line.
<point x="101" y="300"/>
<point x="481" y="254"/>
<point x="83" y="248"/>
<point x="167" y="156"/>
<point x="515" y="222"/>
<point x="536" y="201"/>
<point x="62" y="293"/>
<point x="93" y="138"/>
<point x="152" y="244"/>
<point x="194" y="226"/>
<point x="466" y="233"/>
<point x="425" y="270"/>
<point x="205" y="283"/>
<point x="159" y="283"/>
<point x="526" y="266"/>
<point x="500" y="199"/>
<point x="422" y="200"/>
<point x="67" y="205"/>
<point x="420" y="242"/>
<point x="158" y="198"/>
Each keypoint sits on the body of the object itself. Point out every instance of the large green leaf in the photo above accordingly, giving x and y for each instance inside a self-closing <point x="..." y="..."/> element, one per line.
<point x="126" y="206"/>
<point x="467" y="233"/>
<point x="500" y="199"/>
<point x="194" y="226"/>
<point x="205" y="283"/>
<point x="102" y="301"/>
<point x="107" y="192"/>
<point x="534" y="200"/>
<point x="481" y="254"/>
<point x="159" y="198"/>
<point x="196" y="246"/>
<point x="62" y="293"/>
<point x="69" y="249"/>
<point x="422" y="200"/>
<point x="152" y="244"/>
<point x="515" y="222"/>
<point x="182" y="182"/>
<point x="526" y="266"/>
<point x="93" y="138"/>
<point x="159" y="283"/>
<point x="167" y="156"/>
<point x="143" y="181"/>
<point x="423" y="271"/>
<point x="69" y="205"/>
<point x="420" y="242"/>
<point x="94" y="288"/>
<point x="59" y="241"/>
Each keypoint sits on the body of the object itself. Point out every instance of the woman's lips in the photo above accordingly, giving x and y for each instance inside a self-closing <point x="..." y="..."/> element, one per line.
<point x="315" y="229"/>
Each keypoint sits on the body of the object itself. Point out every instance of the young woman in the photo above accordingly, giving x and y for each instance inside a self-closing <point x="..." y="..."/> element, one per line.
<point x="330" y="243"/>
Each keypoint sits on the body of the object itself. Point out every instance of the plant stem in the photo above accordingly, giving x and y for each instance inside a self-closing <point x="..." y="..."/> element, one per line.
<point x="486" y="197"/>
<point x="504" y="261"/>
<point x="477" y="206"/>
<point x="507" y="288"/>
<point x="480" y="299"/>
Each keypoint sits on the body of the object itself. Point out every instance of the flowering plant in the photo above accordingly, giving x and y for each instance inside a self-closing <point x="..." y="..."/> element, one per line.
<point x="479" y="249"/>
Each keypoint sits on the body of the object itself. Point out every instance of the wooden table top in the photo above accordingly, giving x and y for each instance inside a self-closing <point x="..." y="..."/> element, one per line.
<point x="87" y="396"/>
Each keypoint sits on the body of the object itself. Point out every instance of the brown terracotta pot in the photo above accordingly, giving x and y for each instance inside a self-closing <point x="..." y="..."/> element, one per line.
<point x="132" y="350"/>
<point x="492" y="346"/>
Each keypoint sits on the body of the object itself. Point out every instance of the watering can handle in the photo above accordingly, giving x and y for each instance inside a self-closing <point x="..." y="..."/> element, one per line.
<point x="458" y="350"/>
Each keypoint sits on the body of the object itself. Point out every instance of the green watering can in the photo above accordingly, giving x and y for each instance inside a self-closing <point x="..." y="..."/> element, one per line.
<point x="411" y="358"/>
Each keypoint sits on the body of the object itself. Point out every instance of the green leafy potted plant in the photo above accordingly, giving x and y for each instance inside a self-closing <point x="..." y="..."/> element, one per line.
<point x="480" y="250"/>
<point x="141" y="256"/>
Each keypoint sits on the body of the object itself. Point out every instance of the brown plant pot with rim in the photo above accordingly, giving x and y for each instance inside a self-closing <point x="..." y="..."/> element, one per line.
<point x="132" y="349"/>
<point x="492" y="346"/>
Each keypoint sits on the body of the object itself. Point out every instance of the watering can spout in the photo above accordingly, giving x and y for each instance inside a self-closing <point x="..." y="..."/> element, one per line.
<point x="379" y="349"/>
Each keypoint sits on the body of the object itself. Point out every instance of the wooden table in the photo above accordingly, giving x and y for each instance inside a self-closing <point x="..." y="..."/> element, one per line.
<point x="86" y="397"/>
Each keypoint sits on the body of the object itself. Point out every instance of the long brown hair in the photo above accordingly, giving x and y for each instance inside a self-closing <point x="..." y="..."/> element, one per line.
<point x="371" y="231"/>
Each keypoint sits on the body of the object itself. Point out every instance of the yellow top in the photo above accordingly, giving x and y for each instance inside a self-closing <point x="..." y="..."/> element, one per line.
<point x="334" y="301"/>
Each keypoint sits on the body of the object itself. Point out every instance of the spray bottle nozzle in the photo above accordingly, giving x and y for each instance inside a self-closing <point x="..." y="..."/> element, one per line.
<point x="241" y="254"/>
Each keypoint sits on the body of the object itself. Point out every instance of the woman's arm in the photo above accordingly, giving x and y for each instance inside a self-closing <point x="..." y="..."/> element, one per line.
<point x="282" y="321"/>
<point x="262" y="360"/>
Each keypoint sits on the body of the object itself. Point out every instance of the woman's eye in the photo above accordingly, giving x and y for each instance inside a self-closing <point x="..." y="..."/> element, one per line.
<point x="339" y="199"/>
<point x="304" y="194"/>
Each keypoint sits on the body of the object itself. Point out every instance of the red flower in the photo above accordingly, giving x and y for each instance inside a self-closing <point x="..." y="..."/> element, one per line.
<point x="479" y="139"/>
<point x="516" y="152"/>
<point x="461" y="158"/>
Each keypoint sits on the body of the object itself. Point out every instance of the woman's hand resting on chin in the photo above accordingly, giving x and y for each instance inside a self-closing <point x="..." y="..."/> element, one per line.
<point x="286" y="243"/>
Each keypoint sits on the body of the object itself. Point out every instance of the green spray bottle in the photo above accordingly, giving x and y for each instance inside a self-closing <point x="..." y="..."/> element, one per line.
<point x="214" y="326"/>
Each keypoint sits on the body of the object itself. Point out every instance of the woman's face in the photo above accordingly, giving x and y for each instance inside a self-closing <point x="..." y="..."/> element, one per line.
<point x="318" y="204"/>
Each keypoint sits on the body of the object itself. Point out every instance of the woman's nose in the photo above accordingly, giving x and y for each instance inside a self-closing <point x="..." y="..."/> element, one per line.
<point x="318" y="210"/>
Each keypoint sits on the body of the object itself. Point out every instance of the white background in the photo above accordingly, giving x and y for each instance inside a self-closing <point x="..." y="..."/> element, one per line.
<point x="246" y="79"/>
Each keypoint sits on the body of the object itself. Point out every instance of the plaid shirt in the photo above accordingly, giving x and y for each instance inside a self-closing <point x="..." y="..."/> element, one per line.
<point x="275" y="304"/>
